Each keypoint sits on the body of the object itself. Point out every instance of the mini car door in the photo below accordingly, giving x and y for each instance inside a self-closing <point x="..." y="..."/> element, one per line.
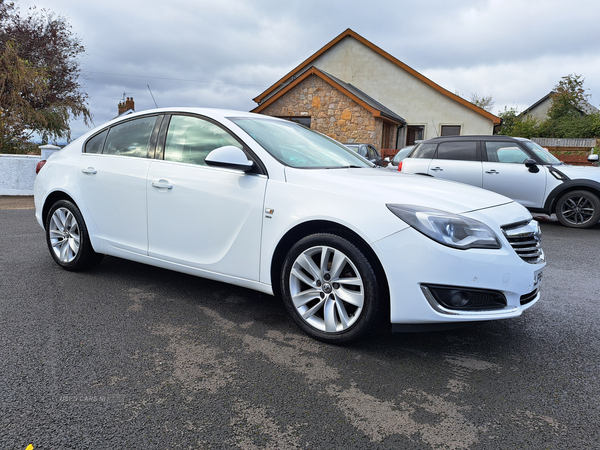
<point x="457" y="161"/>
<point x="112" y="174"/>
<point x="203" y="216"/>
<point x="505" y="172"/>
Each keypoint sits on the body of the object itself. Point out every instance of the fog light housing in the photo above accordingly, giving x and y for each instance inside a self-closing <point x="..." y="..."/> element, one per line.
<point x="467" y="299"/>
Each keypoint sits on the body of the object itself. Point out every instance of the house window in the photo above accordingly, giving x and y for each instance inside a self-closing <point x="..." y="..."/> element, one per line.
<point x="414" y="133"/>
<point x="302" y="120"/>
<point x="450" y="130"/>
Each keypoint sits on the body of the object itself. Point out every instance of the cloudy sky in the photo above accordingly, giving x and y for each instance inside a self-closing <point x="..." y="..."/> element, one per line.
<point x="223" y="53"/>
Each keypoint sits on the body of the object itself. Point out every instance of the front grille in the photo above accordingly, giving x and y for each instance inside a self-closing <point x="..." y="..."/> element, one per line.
<point x="529" y="297"/>
<point x="525" y="239"/>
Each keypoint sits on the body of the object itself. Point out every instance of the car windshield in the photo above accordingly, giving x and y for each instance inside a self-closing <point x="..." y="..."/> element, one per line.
<point x="297" y="146"/>
<point x="542" y="153"/>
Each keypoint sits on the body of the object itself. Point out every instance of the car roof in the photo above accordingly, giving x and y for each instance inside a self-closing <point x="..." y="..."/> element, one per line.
<point x="474" y="137"/>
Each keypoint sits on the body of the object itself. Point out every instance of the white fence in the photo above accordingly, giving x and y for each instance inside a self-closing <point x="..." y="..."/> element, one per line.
<point x="17" y="172"/>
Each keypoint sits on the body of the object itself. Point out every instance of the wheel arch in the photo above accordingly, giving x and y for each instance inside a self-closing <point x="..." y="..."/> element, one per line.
<point x="52" y="198"/>
<point x="568" y="186"/>
<point x="324" y="226"/>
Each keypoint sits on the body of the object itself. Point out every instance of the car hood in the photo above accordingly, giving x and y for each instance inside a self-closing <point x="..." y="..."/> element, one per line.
<point x="387" y="187"/>
<point x="574" y="172"/>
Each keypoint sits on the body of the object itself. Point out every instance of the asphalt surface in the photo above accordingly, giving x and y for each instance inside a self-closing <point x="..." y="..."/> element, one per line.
<point x="130" y="356"/>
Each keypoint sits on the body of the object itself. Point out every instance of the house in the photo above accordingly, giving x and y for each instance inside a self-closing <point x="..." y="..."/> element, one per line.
<point x="353" y="91"/>
<point x="539" y="110"/>
<point x="126" y="107"/>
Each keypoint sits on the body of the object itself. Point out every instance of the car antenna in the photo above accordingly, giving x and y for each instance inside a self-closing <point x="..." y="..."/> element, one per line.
<point x="152" y="95"/>
<point x="436" y="132"/>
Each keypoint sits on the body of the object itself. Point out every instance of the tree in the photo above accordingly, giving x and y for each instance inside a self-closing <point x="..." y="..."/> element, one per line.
<point x="568" y="98"/>
<point x="48" y="51"/>
<point x="20" y="85"/>
<point x="483" y="102"/>
<point x="570" y="115"/>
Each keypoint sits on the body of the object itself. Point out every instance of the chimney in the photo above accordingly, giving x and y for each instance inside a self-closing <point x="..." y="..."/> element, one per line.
<point x="126" y="105"/>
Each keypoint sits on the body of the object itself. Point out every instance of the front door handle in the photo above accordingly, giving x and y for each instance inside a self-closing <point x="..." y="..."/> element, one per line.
<point x="492" y="172"/>
<point x="90" y="170"/>
<point x="437" y="169"/>
<point x="162" y="184"/>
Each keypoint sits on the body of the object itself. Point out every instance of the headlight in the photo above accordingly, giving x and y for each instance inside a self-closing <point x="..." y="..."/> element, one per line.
<point x="447" y="228"/>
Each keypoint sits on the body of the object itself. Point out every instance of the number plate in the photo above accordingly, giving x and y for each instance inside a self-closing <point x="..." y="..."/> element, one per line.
<point x="537" y="278"/>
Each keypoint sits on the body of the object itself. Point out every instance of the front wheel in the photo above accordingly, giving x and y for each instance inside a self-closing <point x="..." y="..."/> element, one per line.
<point x="67" y="238"/>
<point x="330" y="288"/>
<point x="578" y="209"/>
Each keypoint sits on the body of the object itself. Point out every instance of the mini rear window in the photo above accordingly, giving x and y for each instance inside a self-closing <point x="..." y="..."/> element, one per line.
<point x="458" y="151"/>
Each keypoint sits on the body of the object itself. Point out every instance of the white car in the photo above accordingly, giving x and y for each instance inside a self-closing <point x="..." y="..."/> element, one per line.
<point x="517" y="168"/>
<point x="270" y="205"/>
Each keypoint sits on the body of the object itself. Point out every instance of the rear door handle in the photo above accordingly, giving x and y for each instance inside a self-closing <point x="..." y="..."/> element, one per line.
<point x="90" y="170"/>
<point x="162" y="184"/>
<point x="491" y="171"/>
<point x="437" y="169"/>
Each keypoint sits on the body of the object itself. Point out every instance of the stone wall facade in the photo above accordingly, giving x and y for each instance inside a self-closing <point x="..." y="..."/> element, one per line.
<point x="332" y="112"/>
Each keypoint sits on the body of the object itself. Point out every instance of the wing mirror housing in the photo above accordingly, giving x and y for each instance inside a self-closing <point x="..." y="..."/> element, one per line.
<point x="229" y="157"/>
<point x="592" y="158"/>
<point x="531" y="164"/>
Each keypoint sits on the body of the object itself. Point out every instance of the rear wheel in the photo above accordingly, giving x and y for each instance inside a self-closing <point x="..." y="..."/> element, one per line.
<point x="67" y="238"/>
<point x="578" y="209"/>
<point x="330" y="288"/>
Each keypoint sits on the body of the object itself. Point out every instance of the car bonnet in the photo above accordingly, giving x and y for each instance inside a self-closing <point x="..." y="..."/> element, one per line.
<point x="387" y="187"/>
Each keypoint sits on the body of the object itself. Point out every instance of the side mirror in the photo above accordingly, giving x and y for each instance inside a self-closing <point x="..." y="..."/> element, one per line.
<point x="593" y="158"/>
<point x="387" y="159"/>
<point x="531" y="164"/>
<point x="229" y="157"/>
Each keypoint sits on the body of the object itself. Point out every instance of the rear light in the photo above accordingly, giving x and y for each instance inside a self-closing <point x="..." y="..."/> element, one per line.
<point x="39" y="166"/>
<point x="400" y="166"/>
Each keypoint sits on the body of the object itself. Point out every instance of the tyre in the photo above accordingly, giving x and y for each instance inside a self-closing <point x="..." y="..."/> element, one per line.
<point x="578" y="209"/>
<point x="330" y="288"/>
<point x="67" y="238"/>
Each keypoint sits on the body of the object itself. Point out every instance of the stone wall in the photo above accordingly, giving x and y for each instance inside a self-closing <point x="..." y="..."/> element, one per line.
<point x="332" y="112"/>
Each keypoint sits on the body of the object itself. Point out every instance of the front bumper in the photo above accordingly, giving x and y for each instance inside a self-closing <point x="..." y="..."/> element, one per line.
<point x="413" y="262"/>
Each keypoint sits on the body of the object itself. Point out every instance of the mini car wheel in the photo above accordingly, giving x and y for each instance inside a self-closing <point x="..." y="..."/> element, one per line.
<point x="67" y="238"/>
<point x="330" y="288"/>
<point x="578" y="209"/>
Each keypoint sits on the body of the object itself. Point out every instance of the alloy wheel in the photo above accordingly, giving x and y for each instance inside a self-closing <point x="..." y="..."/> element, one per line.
<point x="326" y="289"/>
<point x="64" y="235"/>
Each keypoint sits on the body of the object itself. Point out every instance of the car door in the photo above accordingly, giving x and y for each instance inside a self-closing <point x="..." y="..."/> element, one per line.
<point x="505" y="173"/>
<point x="457" y="160"/>
<point x="202" y="216"/>
<point x="112" y="175"/>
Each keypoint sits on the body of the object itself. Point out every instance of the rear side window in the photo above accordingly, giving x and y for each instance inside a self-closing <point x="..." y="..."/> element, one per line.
<point x="425" y="151"/>
<point x="130" y="138"/>
<point x="458" y="151"/>
<point x="95" y="144"/>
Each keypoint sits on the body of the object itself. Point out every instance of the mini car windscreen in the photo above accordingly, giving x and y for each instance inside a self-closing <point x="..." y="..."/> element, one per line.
<point x="542" y="153"/>
<point x="298" y="146"/>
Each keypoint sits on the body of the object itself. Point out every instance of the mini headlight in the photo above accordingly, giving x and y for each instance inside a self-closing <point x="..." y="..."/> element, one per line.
<point x="446" y="228"/>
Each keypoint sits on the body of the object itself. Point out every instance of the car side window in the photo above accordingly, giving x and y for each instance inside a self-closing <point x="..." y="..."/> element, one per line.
<point x="373" y="154"/>
<point x="191" y="139"/>
<point x="458" y="151"/>
<point x="95" y="144"/>
<point x="362" y="150"/>
<point x="424" y="151"/>
<point x="130" y="138"/>
<point x="505" y="152"/>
